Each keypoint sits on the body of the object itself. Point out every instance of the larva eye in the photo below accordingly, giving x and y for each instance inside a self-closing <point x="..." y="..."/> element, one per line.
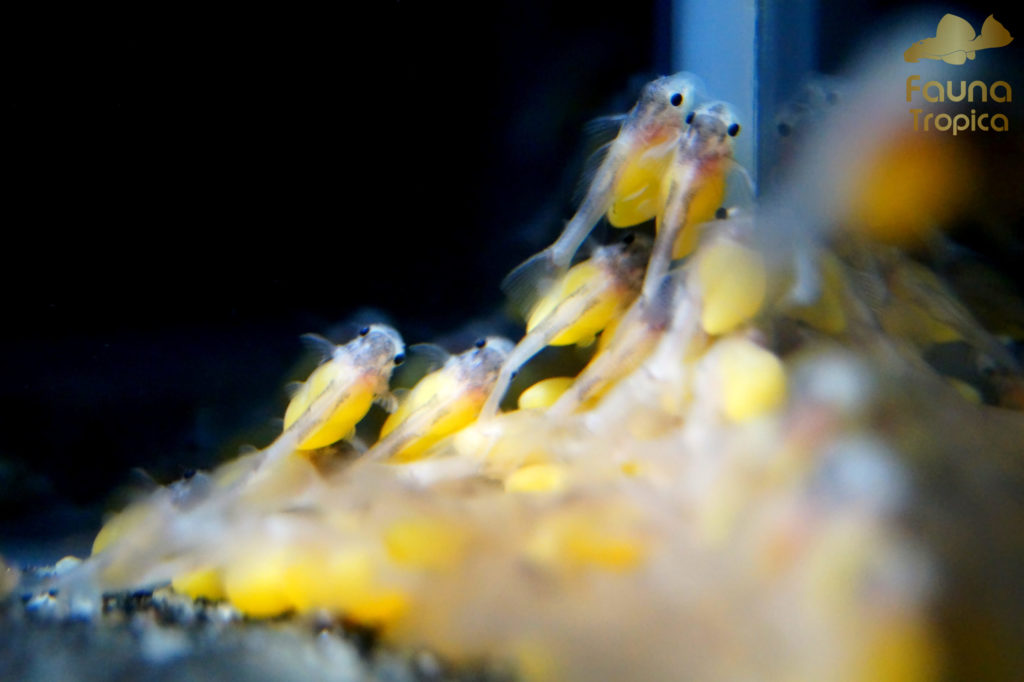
<point x="734" y="130"/>
<point x="400" y="358"/>
<point x="676" y="99"/>
<point x="689" y="118"/>
<point x="480" y="343"/>
<point x="364" y="331"/>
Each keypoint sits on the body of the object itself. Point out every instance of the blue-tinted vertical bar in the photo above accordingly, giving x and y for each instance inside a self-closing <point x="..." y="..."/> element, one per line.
<point x="750" y="53"/>
<point x="786" y="54"/>
<point x="715" y="40"/>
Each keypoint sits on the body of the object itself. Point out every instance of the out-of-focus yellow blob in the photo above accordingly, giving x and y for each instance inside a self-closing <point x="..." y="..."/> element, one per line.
<point x="343" y="420"/>
<point x="544" y="393"/>
<point x="733" y="281"/>
<point x="901" y="650"/>
<point x="536" y="478"/>
<point x="613" y="553"/>
<point x="508" y="442"/>
<point x="836" y="564"/>
<point x="579" y="540"/>
<point x="344" y="582"/>
<point x="438" y="386"/>
<point x="381" y="608"/>
<point x="631" y="468"/>
<point x="425" y="543"/>
<point x="593" y="320"/>
<point x="536" y="662"/>
<point x="257" y="585"/>
<point x="825" y="314"/>
<point x="906" y="187"/>
<point x="752" y="380"/>
<point x="202" y="583"/>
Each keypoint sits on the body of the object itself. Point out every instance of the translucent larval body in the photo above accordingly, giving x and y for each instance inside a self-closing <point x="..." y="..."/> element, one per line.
<point x="635" y="197"/>
<point x="327" y="406"/>
<point x="633" y="337"/>
<point x="694" y="186"/>
<point x="442" y="402"/>
<point x="589" y="297"/>
<point x="625" y="184"/>
<point x="353" y="405"/>
<point x="756" y="474"/>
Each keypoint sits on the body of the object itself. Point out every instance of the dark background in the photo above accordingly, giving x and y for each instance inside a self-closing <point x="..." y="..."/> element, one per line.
<point x="190" y="191"/>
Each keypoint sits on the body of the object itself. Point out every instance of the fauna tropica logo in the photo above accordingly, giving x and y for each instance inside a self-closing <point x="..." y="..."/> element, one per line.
<point x="955" y="42"/>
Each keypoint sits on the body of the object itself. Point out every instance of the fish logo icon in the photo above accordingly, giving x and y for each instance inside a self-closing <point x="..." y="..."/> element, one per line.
<point x="955" y="40"/>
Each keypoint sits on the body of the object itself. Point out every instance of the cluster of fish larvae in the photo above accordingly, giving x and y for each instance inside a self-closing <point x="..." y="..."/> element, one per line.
<point x="591" y="497"/>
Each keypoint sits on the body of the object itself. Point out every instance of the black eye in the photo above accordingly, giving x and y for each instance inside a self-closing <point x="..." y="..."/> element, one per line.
<point x="629" y="239"/>
<point x="364" y="331"/>
<point x="722" y="213"/>
<point x="689" y="118"/>
<point x="400" y="358"/>
<point x="784" y="129"/>
<point x="514" y="374"/>
<point x="734" y="130"/>
<point x="676" y="99"/>
<point x="480" y="343"/>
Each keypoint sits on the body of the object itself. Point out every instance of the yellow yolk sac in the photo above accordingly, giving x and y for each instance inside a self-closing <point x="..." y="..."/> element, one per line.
<point x="576" y="540"/>
<point x="732" y="280"/>
<point x="625" y="184"/>
<point x="339" y="393"/>
<point x="594" y="319"/>
<point x="267" y="582"/>
<point x="355" y="404"/>
<point x="578" y="306"/>
<point x="721" y="492"/>
<point x="257" y="583"/>
<point x="438" y="388"/>
<point x="205" y="583"/>
<point x="544" y="393"/>
<point x="443" y="402"/>
<point x="636" y="198"/>
<point x="536" y="478"/>
<point x="752" y="380"/>
<point x="425" y="543"/>
<point x="345" y="581"/>
<point x="901" y="191"/>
